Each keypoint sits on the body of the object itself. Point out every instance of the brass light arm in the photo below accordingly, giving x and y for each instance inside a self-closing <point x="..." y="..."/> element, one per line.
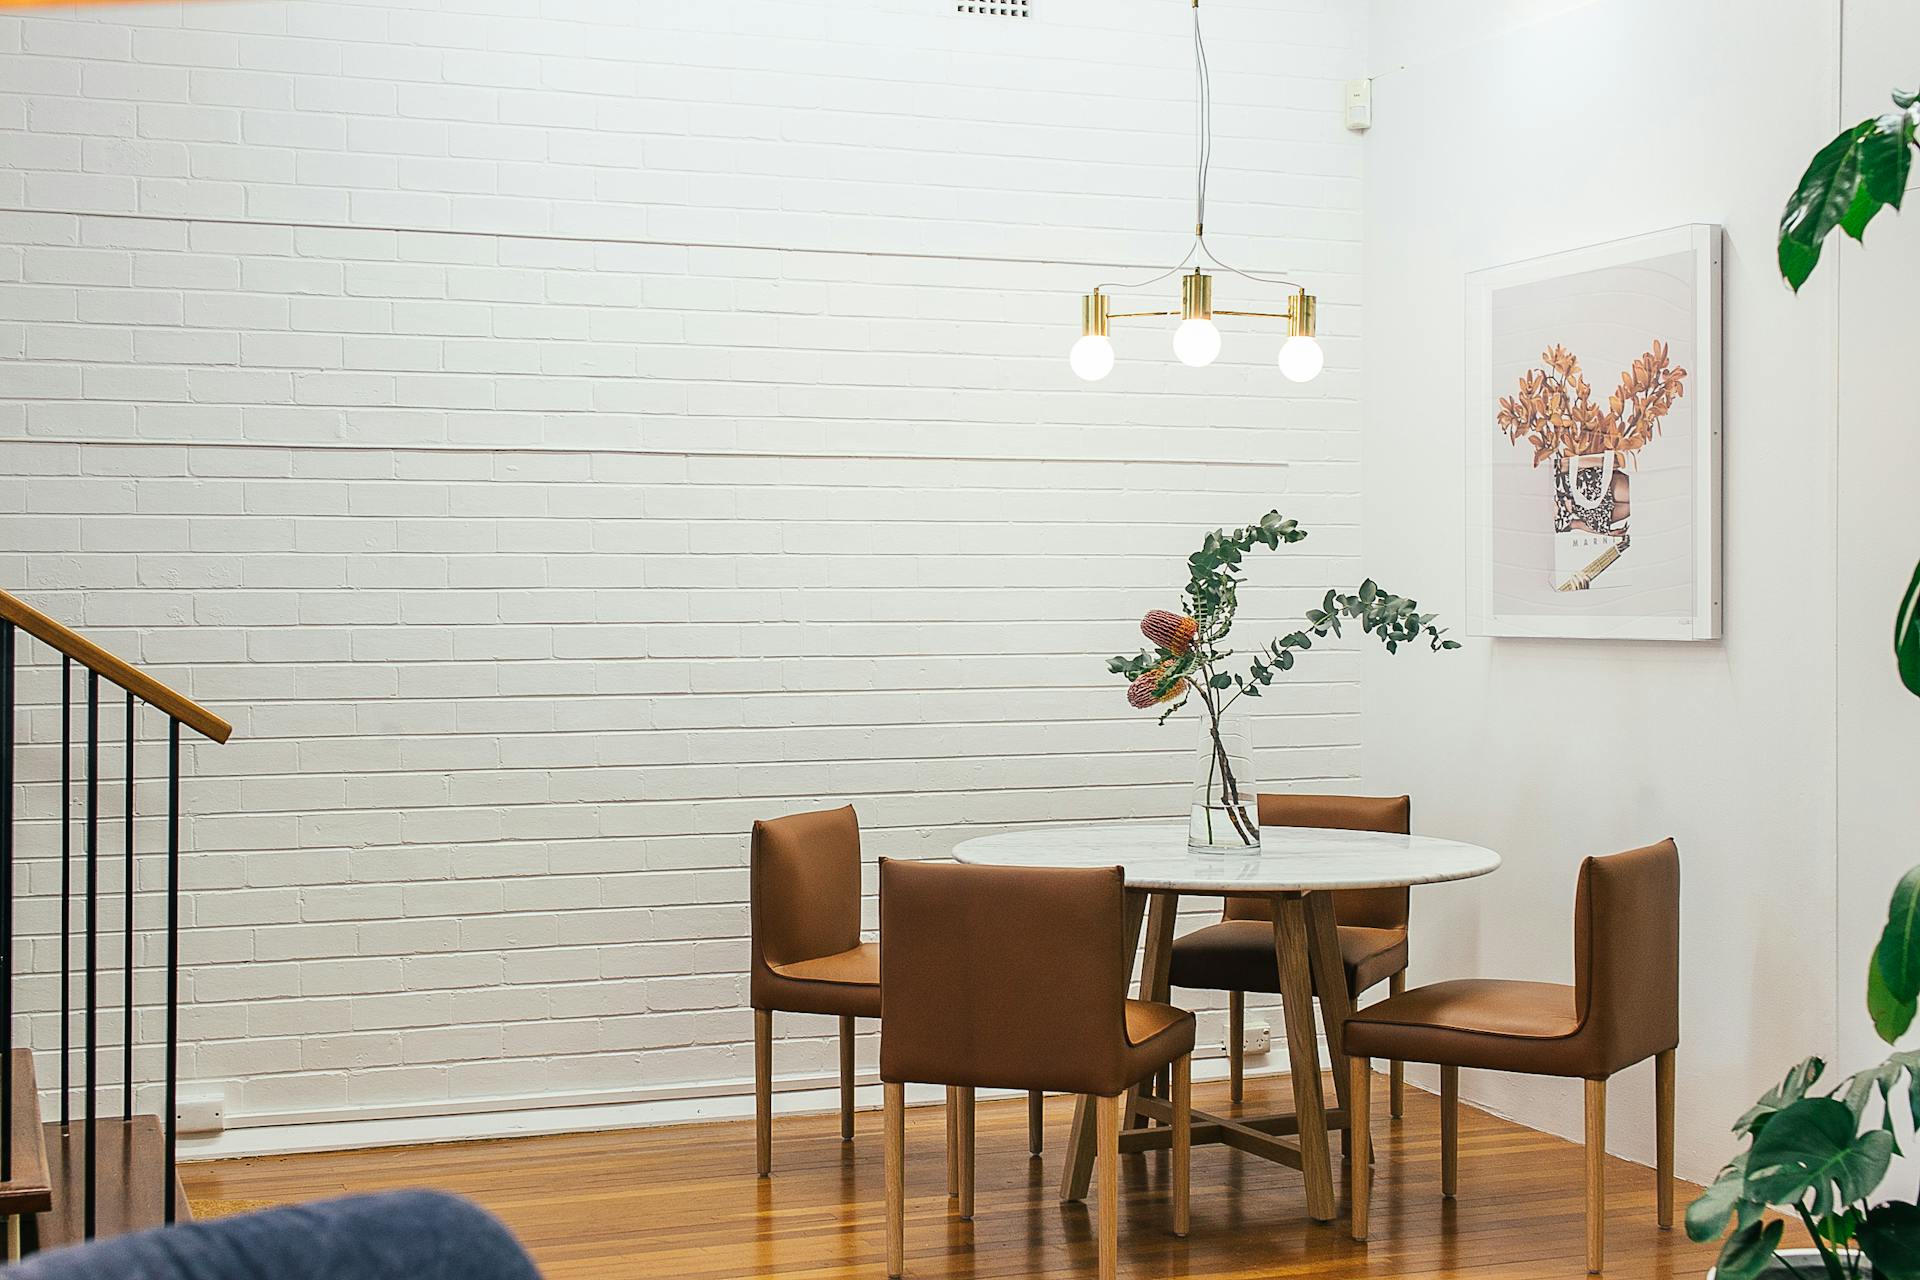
<point x="1135" y="315"/>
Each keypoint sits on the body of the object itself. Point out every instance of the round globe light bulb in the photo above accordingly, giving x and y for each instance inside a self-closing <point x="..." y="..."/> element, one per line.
<point x="1092" y="357"/>
<point x="1196" y="342"/>
<point x="1301" y="359"/>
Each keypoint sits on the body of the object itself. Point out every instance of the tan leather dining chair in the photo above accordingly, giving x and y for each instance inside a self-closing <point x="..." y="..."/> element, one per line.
<point x="807" y="954"/>
<point x="1014" y="978"/>
<point x="1623" y="1008"/>
<point x="1237" y="956"/>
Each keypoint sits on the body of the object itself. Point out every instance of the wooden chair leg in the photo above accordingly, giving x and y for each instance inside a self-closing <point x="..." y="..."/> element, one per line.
<point x="1360" y="1172"/>
<point x="846" y="1078"/>
<point x="1663" y="1137"/>
<point x="964" y="1104"/>
<point x="953" y="1142"/>
<point x="1596" y="1176"/>
<point x="1236" y="1045"/>
<point x="1449" y="1131"/>
<point x="896" y="1144"/>
<point x="1397" y="1071"/>
<point x="1182" y="1089"/>
<point x="1106" y="1172"/>
<point x="1036" y="1122"/>
<point x="763" y="1090"/>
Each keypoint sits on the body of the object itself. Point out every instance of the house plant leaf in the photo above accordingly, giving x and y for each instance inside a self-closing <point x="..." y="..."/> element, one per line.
<point x="1891" y="1015"/>
<point x="1897" y="957"/>
<point x="1826" y="193"/>
<point x="1890" y="1237"/>
<point x="1748" y="1250"/>
<point x="1707" y="1216"/>
<point x="1814" y="1145"/>
<point x="1906" y="635"/>
<point x="1790" y="1090"/>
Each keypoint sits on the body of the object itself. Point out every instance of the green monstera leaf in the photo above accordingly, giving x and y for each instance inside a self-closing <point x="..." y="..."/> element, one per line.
<point x="1851" y="179"/>
<point x="1815" y="1146"/>
<point x="1707" y="1216"/>
<point x="1893" y="978"/>
<point x="1790" y="1090"/>
<point x="1748" y="1250"/>
<point x="1890" y="1237"/>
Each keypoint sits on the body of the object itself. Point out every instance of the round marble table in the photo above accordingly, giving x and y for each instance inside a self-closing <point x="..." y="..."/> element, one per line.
<point x="1296" y="868"/>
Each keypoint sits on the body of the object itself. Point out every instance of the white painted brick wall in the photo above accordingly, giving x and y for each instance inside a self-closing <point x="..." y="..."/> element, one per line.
<point x="557" y="441"/>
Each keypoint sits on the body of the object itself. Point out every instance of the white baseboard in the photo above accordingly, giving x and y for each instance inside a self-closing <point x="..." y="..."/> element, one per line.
<point x="730" y="1100"/>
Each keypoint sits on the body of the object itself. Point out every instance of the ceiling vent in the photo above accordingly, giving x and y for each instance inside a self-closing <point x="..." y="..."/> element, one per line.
<point x="996" y="8"/>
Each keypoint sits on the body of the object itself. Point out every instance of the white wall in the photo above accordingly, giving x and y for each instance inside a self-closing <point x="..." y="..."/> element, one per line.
<point x="1535" y="129"/>
<point x="1878" y="448"/>
<point x="557" y="441"/>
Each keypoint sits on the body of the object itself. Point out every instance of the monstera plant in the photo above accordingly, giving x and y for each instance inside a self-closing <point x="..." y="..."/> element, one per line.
<point x="1819" y="1153"/>
<point x="1852" y="179"/>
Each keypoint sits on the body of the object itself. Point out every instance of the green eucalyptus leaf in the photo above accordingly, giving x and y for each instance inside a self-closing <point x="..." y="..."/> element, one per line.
<point x="1906" y="635"/>
<point x="1749" y="1250"/>
<point x="1890" y="1237"/>
<point x="1814" y="1145"/>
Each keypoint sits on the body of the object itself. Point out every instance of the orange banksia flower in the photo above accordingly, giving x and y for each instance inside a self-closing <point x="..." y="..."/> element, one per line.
<point x="1171" y="631"/>
<point x="1145" y="691"/>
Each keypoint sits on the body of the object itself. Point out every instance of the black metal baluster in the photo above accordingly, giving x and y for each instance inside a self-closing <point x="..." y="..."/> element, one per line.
<point x="126" y="1030"/>
<point x="66" y="888"/>
<point x="93" y="934"/>
<point x="7" y="640"/>
<point x="173" y="951"/>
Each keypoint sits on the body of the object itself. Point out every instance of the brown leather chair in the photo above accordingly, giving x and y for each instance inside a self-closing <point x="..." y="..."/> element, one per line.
<point x="807" y="953"/>
<point x="1623" y="1007"/>
<point x="1236" y="955"/>
<point x="1015" y="978"/>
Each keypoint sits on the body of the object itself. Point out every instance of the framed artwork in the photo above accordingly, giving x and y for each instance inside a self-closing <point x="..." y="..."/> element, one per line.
<point x="1593" y="441"/>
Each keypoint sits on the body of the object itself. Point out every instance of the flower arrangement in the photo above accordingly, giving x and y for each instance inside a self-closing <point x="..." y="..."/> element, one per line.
<point x="1189" y="654"/>
<point x="1555" y="413"/>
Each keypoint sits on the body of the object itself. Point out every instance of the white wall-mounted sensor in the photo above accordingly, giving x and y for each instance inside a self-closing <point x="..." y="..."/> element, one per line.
<point x="1359" y="105"/>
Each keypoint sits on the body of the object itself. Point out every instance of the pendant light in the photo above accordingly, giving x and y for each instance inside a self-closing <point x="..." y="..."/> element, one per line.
<point x="1196" y="342"/>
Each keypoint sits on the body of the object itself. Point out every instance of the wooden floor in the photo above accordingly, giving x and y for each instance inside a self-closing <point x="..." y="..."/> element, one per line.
<point x="684" y="1202"/>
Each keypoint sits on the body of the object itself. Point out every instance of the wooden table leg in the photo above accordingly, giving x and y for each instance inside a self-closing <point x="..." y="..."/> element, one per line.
<point x="1155" y="967"/>
<point x="1291" y="954"/>
<point x="1330" y="982"/>
<point x="1077" y="1169"/>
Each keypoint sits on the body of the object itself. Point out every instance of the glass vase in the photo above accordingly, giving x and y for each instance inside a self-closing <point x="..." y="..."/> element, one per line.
<point x="1225" y="815"/>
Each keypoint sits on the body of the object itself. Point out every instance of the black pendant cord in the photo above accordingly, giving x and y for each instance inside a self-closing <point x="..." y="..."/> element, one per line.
<point x="66" y="888"/>
<point x="126" y="1030"/>
<point x="173" y="958"/>
<point x="90" y="1071"/>
<point x="8" y="638"/>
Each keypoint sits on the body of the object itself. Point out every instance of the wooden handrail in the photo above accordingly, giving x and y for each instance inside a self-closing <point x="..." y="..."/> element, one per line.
<point x="128" y="677"/>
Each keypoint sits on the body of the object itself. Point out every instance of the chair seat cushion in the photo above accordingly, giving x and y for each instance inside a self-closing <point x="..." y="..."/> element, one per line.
<point x="845" y="983"/>
<point x="1490" y="1023"/>
<point x="1156" y="1035"/>
<point x="1237" y="955"/>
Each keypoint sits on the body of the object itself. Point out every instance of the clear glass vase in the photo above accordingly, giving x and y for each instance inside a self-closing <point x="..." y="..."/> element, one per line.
<point x="1226" y="808"/>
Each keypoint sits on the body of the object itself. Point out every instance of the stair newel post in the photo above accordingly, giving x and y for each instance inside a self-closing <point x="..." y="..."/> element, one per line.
<point x="7" y="641"/>
<point x="170" y="1118"/>
<point x="90" y="1071"/>
<point x="126" y="1030"/>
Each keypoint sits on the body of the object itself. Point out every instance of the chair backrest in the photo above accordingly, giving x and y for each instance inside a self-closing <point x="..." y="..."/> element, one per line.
<point x="1626" y="952"/>
<point x="804" y="886"/>
<point x="1002" y="977"/>
<point x="1371" y="908"/>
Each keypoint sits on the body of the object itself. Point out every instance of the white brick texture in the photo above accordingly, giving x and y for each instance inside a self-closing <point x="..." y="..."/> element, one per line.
<point x="556" y="441"/>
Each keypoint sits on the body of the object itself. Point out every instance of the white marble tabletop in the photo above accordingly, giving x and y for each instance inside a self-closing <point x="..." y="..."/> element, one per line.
<point x="1154" y="855"/>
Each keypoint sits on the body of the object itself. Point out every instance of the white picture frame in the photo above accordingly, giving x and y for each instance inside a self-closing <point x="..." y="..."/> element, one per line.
<point x="1548" y="552"/>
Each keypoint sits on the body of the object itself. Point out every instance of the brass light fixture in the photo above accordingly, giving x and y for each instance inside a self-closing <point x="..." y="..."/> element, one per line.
<point x="1197" y="340"/>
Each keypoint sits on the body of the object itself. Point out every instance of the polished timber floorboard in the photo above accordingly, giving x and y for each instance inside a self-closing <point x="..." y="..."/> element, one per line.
<point x="684" y="1202"/>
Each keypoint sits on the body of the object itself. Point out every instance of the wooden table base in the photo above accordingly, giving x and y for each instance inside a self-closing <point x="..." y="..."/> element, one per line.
<point x="1307" y="951"/>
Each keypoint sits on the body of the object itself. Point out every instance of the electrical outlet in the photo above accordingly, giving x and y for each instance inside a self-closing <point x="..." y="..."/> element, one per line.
<point x="201" y="1110"/>
<point x="1255" y="1038"/>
